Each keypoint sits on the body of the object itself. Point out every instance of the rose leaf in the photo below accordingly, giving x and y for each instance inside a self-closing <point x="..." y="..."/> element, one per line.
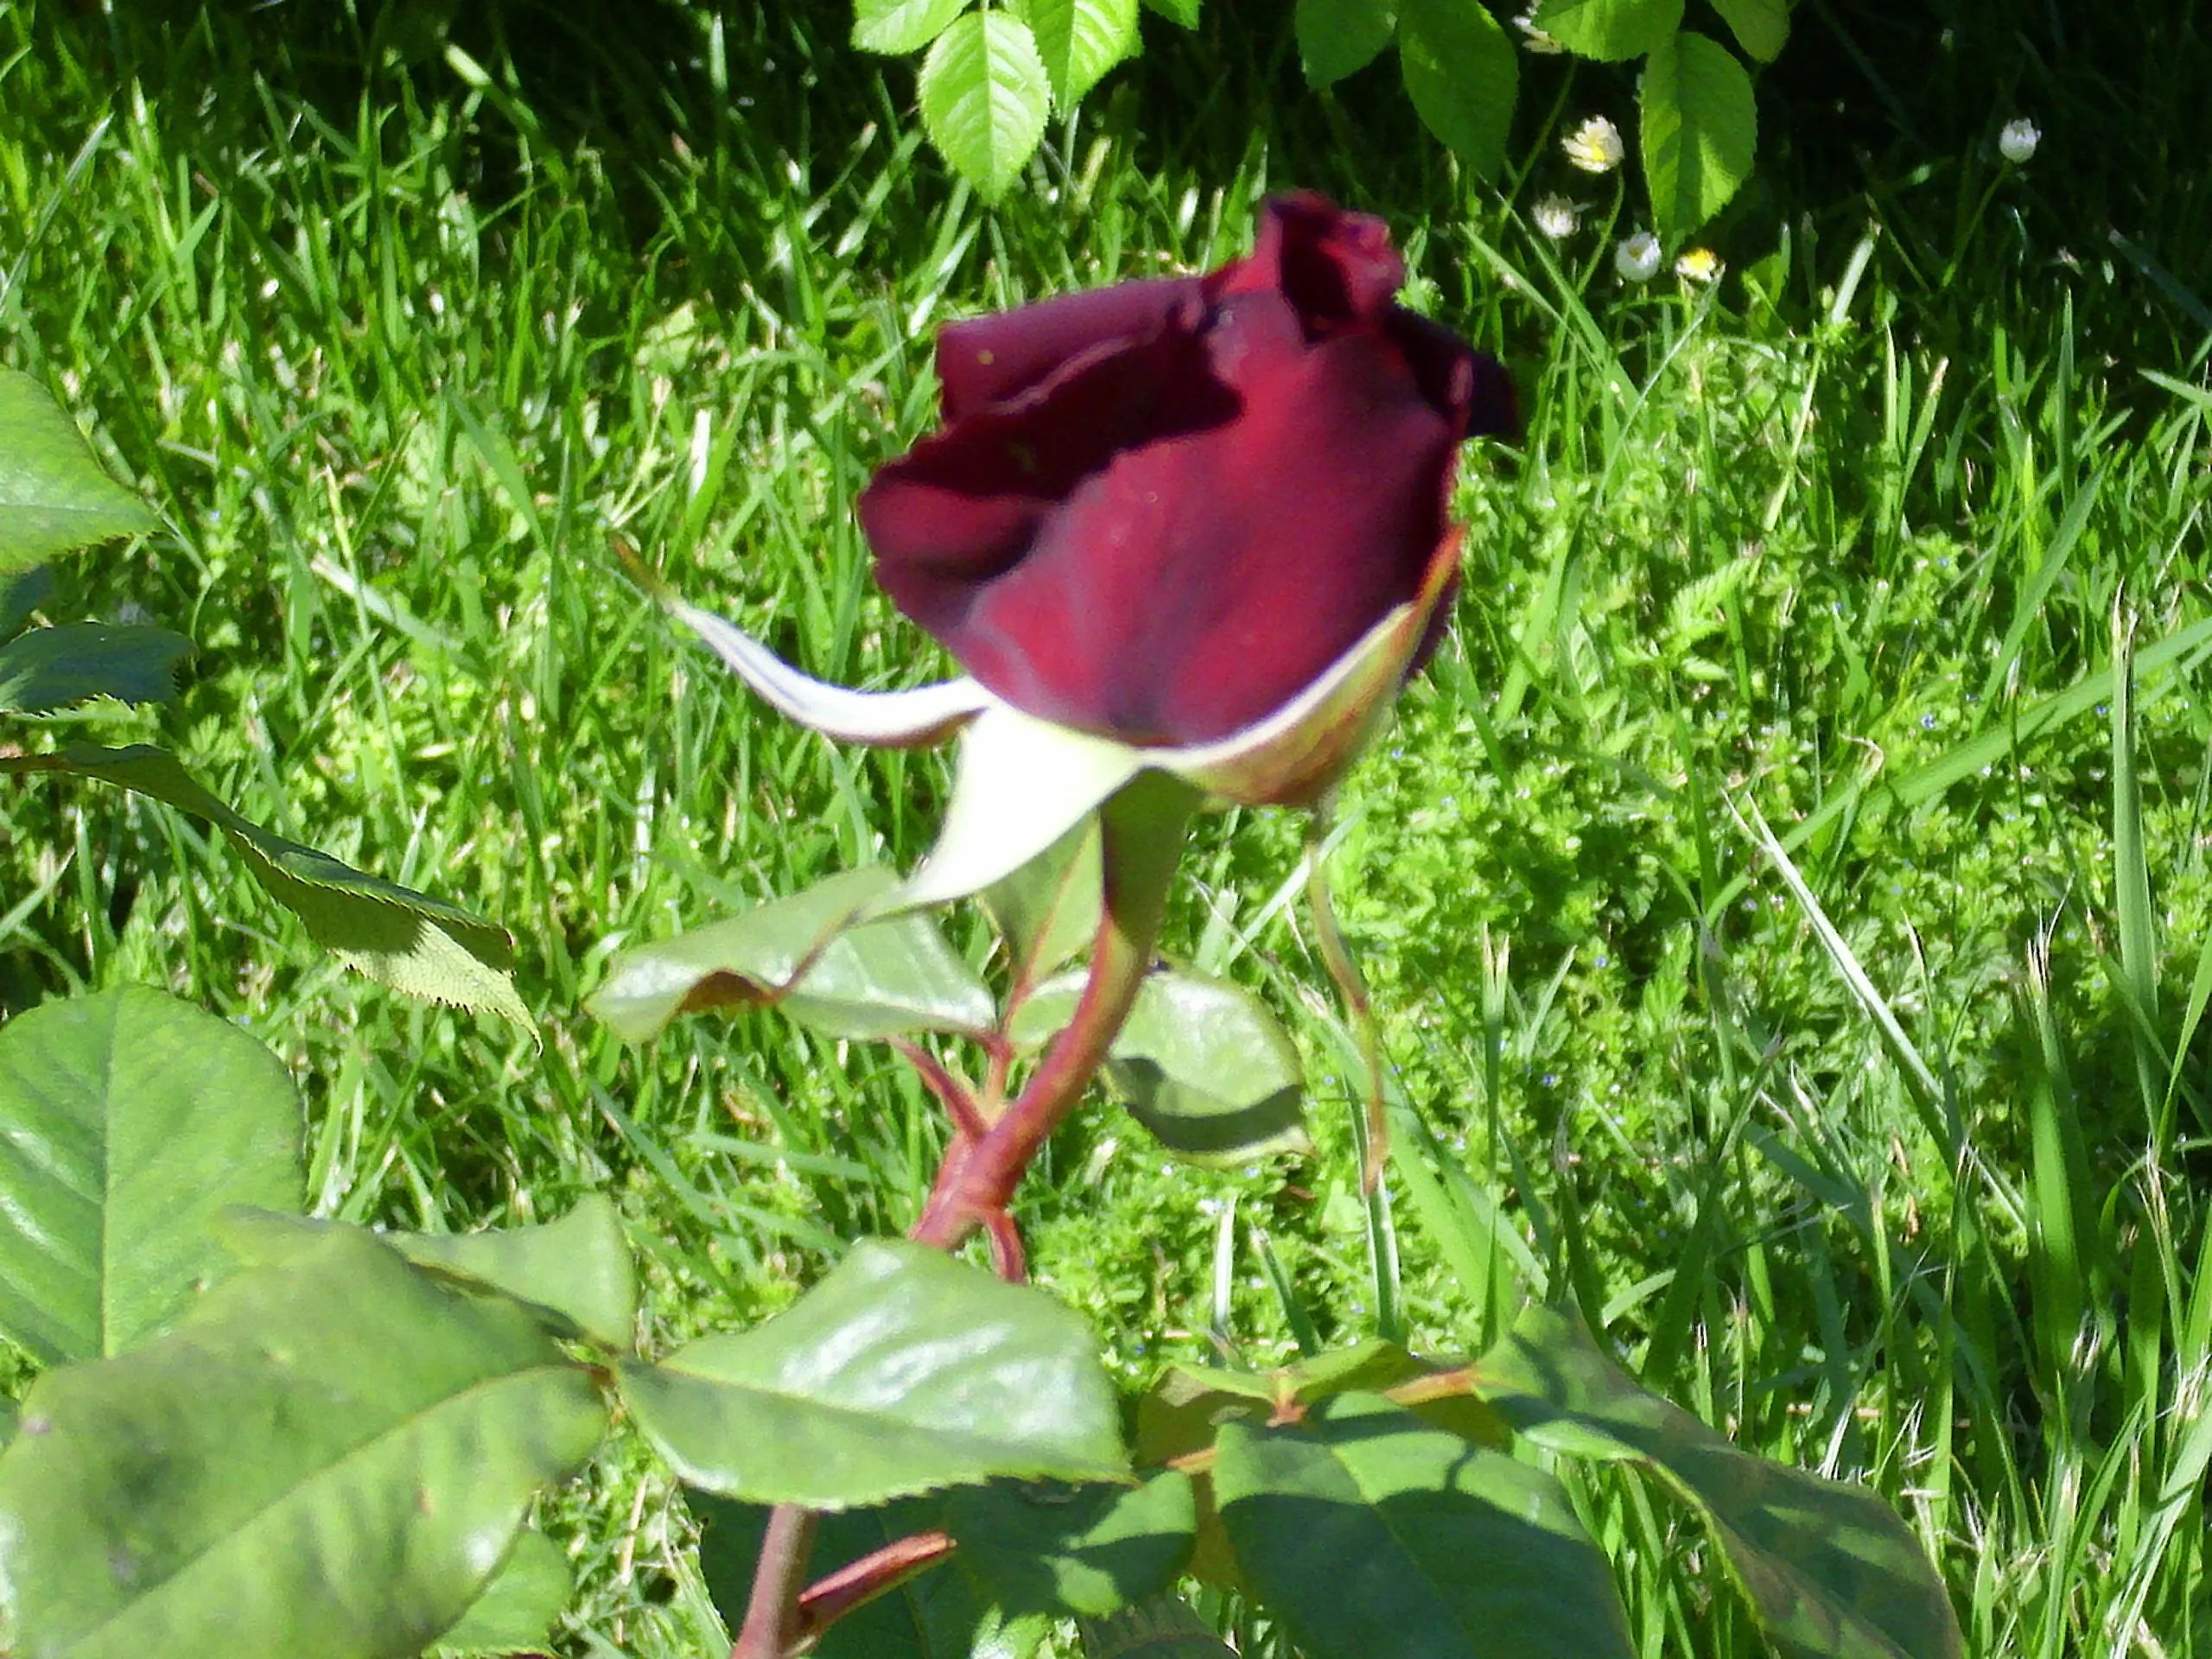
<point x="1080" y="40"/>
<point x="1338" y="38"/>
<point x="1611" y="31"/>
<point x="1463" y="74"/>
<point x="54" y="499"/>
<point x="1701" y="131"/>
<point x="898" y="27"/>
<point x="51" y="668"/>
<point x="984" y="95"/>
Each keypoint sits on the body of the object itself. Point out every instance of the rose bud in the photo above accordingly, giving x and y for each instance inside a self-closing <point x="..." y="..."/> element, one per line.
<point x="1196" y="525"/>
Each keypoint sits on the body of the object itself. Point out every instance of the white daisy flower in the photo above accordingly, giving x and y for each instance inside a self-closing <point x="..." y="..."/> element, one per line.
<point x="1637" y="258"/>
<point x="1555" y="217"/>
<point x="1595" y="146"/>
<point x="1698" y="264"/>
<point x="2017" y="144"/>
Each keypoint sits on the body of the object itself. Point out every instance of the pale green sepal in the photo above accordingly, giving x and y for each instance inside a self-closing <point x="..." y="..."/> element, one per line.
<point x="1022" y="783"/>
<point x="887" y="719"/>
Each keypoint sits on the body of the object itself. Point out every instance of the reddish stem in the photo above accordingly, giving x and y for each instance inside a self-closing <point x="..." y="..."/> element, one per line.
<point x="772" y="1624"/>
<point x="832" y="1597"/>
<point x="959" y="1103"/>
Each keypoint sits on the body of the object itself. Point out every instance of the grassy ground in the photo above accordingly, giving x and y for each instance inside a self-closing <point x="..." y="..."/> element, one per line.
<point x="1885" y="1154"/>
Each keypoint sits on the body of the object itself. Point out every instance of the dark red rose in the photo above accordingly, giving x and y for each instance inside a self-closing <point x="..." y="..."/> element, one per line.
<point x="1159" y="511"/>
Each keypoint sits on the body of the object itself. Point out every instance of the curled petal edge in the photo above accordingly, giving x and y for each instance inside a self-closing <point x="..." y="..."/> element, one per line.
<point x="895" y="720"/>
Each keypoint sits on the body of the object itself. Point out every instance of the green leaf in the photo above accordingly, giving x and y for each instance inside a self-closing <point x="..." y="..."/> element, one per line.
<point x="22" y="593"/>
<point x="1049" y="908"/>
<point x="806" y="957"/>
<point x="1461" y="1550"/>
<point x="1463" y="74"/>
<point x="1761" y="27"/>
<point x="1080" y="40"/>
<point x="856" y="1395"/>
<point x="1701" y="131"/>
<point x="1053" y="1548"/>
<point x="127" y="1120"/>
<point x="327" y="1460"/>
<point x="1184" y="14"/>
<point x="942" y="1612"/>
<point x="52" y="668"/>
<point x="1829" y="1569"/>
<point x="984" y="92"/>
<point x="1336" y="38"/>
<point x="1200" y="1063"/>
<point x="520" y="1606"/>
<point x="8" y="1413"/>
<point x="53" y="497"/>
<point x="1611" y="31"/>
<point x="408" y="941"/>
<point x="1165" y="1627"/>
<point x="901" y="25"/>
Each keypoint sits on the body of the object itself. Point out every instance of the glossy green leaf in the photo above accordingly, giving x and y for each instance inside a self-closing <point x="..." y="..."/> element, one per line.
<point x="1165" y="1627"/>
<point x="1612" y="31"/>
<point x="1080" y="40"/>
<point x="1047" y="1547"/>
<point x="53" y="497"/>
<point x="327" y="1460"/>
<point x="128" y="1119"/>
<point x="984" y="94"/>
<point x="1761" y="27"/>
<point x="405" y="939"/>
<point x="943" y="1612"/>
<point x="1049" y="909"/>
<point x="1462" y="1552"/>
<point x="856" y="1394"/>
<point x="1829" y="1569"/>
<point x="901" y="25"/>
<point x="1701" y="131"/>
<point x="519" y="1607"/>
<point x="1463" y="74"/>
<point x="22" y="593"/>
<point x="51" y="668"/>
<point x="1336" y="38"/>
<point x="809" y="957"/>
<point x="1200" y="1063"/>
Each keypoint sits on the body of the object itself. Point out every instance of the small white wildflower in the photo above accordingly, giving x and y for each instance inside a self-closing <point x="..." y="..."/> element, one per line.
<point x="1637" y="257"/>
<point x="1698" y="264"/>
<point x="2017" y="144"/>
<point x="1595" y="146"/>
<point x="1536" y="40"/>
<point x="1555" y="217"/>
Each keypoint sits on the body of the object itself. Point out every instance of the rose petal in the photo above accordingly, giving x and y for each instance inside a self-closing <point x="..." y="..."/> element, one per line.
<point x="988" y="359"/>
<point x="887" y="719"/>
<point x="1338" y="270"/>
<point x="1194" y="585"/>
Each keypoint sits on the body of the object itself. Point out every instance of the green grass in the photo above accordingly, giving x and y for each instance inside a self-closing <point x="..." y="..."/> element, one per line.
<point x="1889" y="1163"/>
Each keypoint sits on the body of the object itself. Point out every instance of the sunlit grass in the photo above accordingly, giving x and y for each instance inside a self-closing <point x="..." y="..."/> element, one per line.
<point x="1909" y="1193"/>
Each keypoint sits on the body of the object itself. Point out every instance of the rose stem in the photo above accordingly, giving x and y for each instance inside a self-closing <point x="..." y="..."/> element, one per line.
<point x="772" y="1618"/>
<point x="1352" y="985"/>
<point x="1142" y="831"/>
<point x="873" y="1575"/>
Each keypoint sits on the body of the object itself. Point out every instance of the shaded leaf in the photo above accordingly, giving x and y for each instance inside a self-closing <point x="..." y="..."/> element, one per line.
<point x="128" y="1119"/>
<point x="1611" y="31"/>
<point x="940" y="1613"/>
<point x="22" y="593"/>
<point x="52" y="668"/>
<point x="405" y="939"/>
<point x="1200" y="1063"/>
<point x="1361" y="1481"/>
<point x="901" y="25"/>
<point x="1829" y="1568"/>
<point x="1049" y="909"/>
<point x="1165" y="1627"/>
<point x="856" y="1394"/>
<point x="8" y="1418"/>
<point x="54" y="499"/>
<point x="1701" y="131"/>
<point x="1336" y="38"/>
<point x="520" y="1606"/>
<point x="985" y="93"/>
<point x="1047" y="1547"/>
<point x="326" y="1460"/>
<point x="1080" y="40"/>
<point x="1463" y="74"/>
<point x="1761" y="27"/>
<point x="1184" y="14"/>
<point x="806" y="956"/>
